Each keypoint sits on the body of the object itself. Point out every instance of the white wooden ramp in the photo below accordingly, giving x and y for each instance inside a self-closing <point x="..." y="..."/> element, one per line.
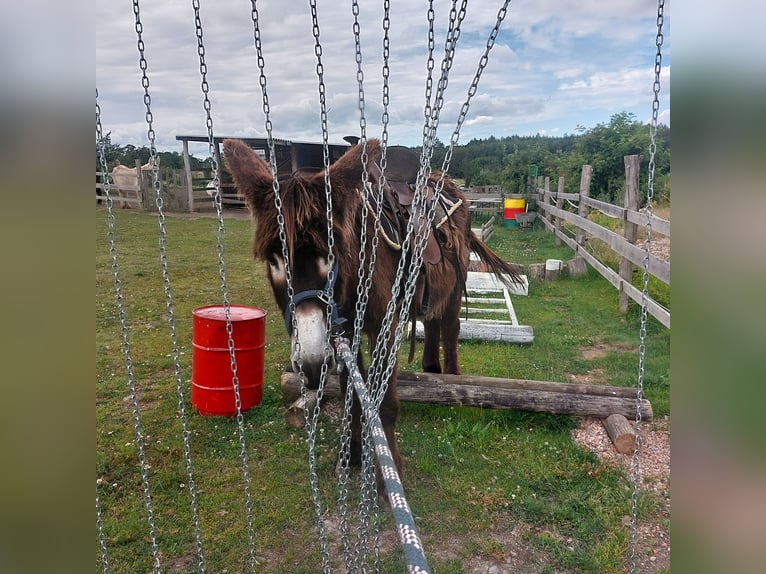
<point x="488" y="298"/>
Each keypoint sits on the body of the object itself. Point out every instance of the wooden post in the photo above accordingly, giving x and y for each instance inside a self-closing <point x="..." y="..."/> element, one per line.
<point x="582" y="210"/>
<point x="560" y="205"/>
<point x="631" y="229"/>
<point x="140" y="195"/>
<point x="187" y="171"/>
<point x="548" y="201"/>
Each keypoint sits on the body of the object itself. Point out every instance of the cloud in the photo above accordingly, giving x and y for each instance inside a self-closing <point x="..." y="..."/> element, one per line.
<point x="553" y="66"/>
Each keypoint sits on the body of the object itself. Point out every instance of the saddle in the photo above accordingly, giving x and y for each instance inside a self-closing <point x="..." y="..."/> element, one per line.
<point x="402" y="166"/>
<point x="398" y="193"/>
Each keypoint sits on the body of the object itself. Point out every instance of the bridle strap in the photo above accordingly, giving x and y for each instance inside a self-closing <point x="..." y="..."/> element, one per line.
<point x="336" y="321"/>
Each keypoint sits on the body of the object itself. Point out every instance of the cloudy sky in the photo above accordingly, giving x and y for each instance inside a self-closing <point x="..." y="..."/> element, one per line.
<point x="556" y="65"/>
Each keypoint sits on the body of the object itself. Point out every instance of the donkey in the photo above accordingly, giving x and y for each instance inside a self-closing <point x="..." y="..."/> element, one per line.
<point x="441" y="283"/>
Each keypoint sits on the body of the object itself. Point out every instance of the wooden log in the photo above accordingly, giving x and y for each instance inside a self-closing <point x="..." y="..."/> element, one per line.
<point x="536" y="270"/>
<point x="490" y="392"/>
<point x="577" y="267"/>
<point x="294" y="416"/>
<point x="553" y="269"/>
<point x="621" y="432"/>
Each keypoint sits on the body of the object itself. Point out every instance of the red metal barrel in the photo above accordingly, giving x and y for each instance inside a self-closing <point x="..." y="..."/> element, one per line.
<point x="212" y="388"/>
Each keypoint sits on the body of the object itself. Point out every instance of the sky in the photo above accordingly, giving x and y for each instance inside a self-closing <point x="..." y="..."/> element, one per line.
<point x="556" y="66"/>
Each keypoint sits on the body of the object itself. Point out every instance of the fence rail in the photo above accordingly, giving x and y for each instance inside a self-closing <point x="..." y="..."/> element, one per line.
<point x="553" y="215"/>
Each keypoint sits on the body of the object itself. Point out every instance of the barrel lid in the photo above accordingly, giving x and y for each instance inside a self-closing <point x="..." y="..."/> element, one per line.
<point x="236" y="312"/>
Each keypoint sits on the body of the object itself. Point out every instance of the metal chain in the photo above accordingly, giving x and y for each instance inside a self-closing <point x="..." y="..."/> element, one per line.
<point x="101" y="536"/>
<point x="126" y="350"/>
<point x="430" y="61"/>
<point x="102" y="161"/>
<point x="636" y="461"/>
<point x="308" y="417"/>
<point x="312" y="426"/>
<point x="355" y="554"/>
<point x="385" y="100"/>
<point x="225" y="288"/>
<point x="367" y="513"/>
<point x="416" y="260"/>
<point x="363" y="269"/>
<point x="181" y="402"/>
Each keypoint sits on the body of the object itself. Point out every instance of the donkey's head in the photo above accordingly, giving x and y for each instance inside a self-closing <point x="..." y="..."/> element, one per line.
<point x="304" y="256"/>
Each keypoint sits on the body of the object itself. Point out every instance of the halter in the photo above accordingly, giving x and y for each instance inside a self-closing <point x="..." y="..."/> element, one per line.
<point x="336" y="321"/>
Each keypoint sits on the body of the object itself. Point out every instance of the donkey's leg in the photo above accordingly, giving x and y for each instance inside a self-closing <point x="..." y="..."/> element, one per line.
<point x="389" y="411"/>
<point x="432" y="330"/>
<point x="356" y="415"/>
<point x="450" y="332"/>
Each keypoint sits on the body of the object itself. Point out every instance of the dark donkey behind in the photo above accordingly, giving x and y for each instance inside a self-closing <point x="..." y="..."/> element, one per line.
<point x="441" y="282"/>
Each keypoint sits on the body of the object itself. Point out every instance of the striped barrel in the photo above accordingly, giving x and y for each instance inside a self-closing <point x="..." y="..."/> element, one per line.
<point x="512" y="206"/>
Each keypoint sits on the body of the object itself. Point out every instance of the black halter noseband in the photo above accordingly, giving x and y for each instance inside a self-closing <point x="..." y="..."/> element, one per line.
<point x="336" y="321"/>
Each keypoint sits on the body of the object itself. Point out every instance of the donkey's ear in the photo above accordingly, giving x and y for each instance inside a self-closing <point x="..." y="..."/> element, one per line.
<point x="251" y="174"/>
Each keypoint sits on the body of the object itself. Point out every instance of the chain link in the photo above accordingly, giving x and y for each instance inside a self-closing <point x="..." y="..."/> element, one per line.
<point x="213" y="149"/>
<point x="636" y="461"/>
<point x="126" y="350"/>
<point x="181" y="401"/>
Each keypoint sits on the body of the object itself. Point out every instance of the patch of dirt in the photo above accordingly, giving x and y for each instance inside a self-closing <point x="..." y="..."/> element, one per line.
<point x="592" y="377"/>
<point x="599" y="350"/>
<point x="505" y="551"/>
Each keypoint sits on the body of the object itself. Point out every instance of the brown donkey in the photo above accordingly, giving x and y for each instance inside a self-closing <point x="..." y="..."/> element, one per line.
<point x="441" y="282"/>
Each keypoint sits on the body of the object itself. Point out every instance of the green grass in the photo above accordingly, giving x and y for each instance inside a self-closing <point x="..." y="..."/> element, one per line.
<point x="467" y="470"/>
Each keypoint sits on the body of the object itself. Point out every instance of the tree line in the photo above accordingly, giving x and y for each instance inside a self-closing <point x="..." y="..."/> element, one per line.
<point x="507" y="161"/>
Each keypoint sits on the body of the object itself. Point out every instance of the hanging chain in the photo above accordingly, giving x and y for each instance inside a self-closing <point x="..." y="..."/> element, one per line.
<point x="225" y="288"/>
<point x="636" y="461"/>
<point x="126" y="349"/>
<point x="362" y="270"/>
<point x="101" y="536"/>
<point x="429" y="62"/>
<point x="309" y="418"/>
<point x="102" y="162"/>
<point x="383" y="353"/>
<point x="417" y="258"/>
<point x="311" y="439"/>
<point x="157" y="185"/>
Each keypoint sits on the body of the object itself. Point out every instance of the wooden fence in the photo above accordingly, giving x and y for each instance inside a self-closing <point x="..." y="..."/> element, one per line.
<point x="553" y="215"/>
<point x="177" y="193"/>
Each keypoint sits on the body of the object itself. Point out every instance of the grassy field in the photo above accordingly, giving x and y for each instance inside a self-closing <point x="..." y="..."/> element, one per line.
<point x="478" y="481"/>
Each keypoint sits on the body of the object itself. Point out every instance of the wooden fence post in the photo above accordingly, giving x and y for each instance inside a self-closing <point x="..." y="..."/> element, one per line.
<point x="582" y="210"/>
<point x="631" y="229"/>
<point x="187" y="171"/>
<point x="546" y="193"/>
<point x="560" y="205"/>
<point x="142" y="195"/>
